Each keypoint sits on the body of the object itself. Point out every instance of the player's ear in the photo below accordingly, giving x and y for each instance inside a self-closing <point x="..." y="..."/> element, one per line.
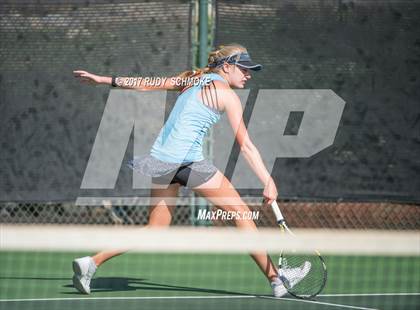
<point x="225" y="67"/>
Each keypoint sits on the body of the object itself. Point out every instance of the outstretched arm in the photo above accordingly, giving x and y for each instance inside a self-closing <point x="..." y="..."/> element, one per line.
<point x="136" y="83"/>
<point x="232" y="106"/>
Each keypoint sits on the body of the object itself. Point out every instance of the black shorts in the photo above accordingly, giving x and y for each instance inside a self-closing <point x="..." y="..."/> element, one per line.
<point x="190" y="174"/>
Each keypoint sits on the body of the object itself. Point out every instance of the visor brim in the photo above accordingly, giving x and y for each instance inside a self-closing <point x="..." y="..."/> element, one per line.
<point x="249" y="65"/>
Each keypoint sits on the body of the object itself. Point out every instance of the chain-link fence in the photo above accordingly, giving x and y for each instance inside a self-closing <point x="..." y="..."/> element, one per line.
<point x="69" y="213"/>
<point x="344" y="215"/>
<point x="336" y="215"/>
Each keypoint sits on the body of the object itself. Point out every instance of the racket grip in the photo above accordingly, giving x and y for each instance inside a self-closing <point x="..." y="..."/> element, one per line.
<point x="277" y="212"/>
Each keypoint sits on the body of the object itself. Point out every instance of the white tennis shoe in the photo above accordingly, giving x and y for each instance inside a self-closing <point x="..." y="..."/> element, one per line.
<point x="84" y="268"/>
<point x="279" y="290"/>
<point x="290" y="276"/>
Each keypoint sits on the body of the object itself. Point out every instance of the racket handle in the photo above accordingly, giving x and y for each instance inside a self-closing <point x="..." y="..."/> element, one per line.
<point x="277" y="212"/>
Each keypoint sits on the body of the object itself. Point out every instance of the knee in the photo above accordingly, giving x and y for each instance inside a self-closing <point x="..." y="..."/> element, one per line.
<point x="160" y="216"/>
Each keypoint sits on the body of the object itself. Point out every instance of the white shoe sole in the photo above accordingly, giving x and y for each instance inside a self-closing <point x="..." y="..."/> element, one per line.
<point x="79" y="286"/>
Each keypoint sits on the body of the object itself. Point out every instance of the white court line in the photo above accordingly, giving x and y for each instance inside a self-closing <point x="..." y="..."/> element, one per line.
<point x="212" y="297"/>
<point x="320" y="303"/>
<point x="132" y="298"/>
<point x="372" y="294"/>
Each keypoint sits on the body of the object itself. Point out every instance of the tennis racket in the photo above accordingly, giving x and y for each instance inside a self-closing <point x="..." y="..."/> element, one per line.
<point x="303" y="275"/>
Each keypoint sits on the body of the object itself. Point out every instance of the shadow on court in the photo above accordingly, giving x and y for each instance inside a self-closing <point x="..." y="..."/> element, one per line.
<point x="121" y="284"/>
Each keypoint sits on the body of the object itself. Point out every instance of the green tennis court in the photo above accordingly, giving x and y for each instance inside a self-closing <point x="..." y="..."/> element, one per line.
<point x="42" y="280"/>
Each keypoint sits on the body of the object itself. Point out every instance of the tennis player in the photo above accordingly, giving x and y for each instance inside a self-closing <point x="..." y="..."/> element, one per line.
<point x="176" y="158"/>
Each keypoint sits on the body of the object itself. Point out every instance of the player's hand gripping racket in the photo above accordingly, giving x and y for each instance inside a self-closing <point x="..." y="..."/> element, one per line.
<point x="303" y="275"/>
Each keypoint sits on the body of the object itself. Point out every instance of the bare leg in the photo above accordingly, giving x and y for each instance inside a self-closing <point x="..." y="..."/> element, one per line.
<point x="219" y="191"/>
<point x="162" y="206"/>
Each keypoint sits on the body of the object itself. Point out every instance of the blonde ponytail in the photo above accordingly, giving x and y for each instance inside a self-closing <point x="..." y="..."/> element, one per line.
<point x="214" y="56"/>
